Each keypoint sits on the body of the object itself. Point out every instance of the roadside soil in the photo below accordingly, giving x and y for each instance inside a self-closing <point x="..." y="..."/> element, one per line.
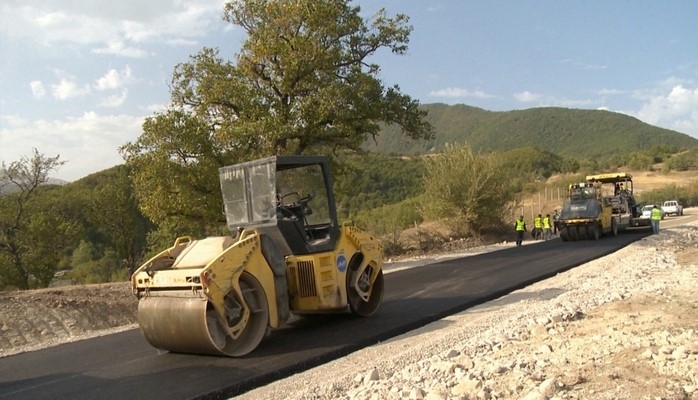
<point x="35" y="319"/>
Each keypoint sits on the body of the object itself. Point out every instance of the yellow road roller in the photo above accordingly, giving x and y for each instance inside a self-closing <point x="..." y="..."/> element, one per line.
<point x="286" y="254"/>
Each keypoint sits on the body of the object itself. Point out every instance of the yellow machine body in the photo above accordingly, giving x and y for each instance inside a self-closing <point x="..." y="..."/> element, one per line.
<point x="221" y="295"/>
<point x="603" y="204"/>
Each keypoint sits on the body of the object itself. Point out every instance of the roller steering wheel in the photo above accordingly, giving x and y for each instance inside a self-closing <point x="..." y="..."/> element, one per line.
<point x="298" y="209"/>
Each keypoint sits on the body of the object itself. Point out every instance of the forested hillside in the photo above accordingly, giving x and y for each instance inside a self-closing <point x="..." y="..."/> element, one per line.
<point x="579" y="134"/>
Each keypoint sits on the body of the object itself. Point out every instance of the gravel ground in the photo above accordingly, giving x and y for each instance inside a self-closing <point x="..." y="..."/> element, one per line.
<point x="621" y="327"/>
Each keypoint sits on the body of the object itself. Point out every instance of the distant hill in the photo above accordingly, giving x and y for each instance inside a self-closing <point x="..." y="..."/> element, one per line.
<point x="580" y="134"/>
<point x="7" y="187"/>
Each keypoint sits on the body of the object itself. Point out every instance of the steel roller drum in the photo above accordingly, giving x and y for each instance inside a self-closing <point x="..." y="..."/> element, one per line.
<point x="182" y="322"/>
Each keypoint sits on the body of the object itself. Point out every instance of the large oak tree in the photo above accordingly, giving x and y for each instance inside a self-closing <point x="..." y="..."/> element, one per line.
<point x="302" y="83"/>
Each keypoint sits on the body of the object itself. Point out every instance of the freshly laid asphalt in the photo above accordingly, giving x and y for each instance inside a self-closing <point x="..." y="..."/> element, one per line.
<point x="123" y="365"/>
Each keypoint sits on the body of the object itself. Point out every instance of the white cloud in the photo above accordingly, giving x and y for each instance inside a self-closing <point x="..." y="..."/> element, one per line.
<point x="114" y="79"/>
<point x="11" y="121"/>
<point x="595" y="67"/>
<point x="118" y="48"/>
<point x="156" y="108"/>
<point x="182" y="42"/>
<point x="527" y="97"/>
<point x="677" y="109"/>
<point x="552" y="101"/>
<point x="606" y="91"/>
<point x="47" y="27"/>
<point x="120" y="28"/>
<point x="68" y="88"/>
<point x="114" y="101"/>
<point x="583" y="65"/>
<point x="38" y="90"/>
<point x="88" y="143"/>
<point x="138" y="32"/>
<point x="575" y="103"/>
<point x="454" y="92"/>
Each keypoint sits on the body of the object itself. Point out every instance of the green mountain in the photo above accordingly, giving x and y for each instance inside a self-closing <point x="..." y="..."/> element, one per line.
<point x="7" y="187"/>
<point x="580" y="134"/>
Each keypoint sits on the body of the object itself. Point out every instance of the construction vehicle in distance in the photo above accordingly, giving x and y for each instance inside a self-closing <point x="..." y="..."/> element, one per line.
<point x="603" y="204"/>
<point x="221" y="295"/>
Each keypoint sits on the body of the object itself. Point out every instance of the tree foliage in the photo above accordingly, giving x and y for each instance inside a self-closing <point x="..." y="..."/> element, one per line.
<point x="49" y="236"/>
<point x="98" y="268"/>
<point x="24" y="230"/>
<point x="390" y="221"/>
<point x="470" y="191"/>
<point x="99" y="211"/>
<point x="686" y="195"/>
<point x="533" y="163"/>
<point x="174" y="167"/>
<point x="301" y="84"/>
<point x="683" y="161"/>
<point x="111" y="209"/>
<point x="370" y="181"/>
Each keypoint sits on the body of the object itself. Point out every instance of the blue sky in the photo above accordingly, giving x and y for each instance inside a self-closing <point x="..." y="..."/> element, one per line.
<point x="77" y="77"/>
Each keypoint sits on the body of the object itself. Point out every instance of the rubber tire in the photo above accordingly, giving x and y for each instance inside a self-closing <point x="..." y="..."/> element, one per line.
<point x="574" y="233"/>
<point x="564" y="235"/>
<point x="593" y="231"/>
<point x="582" y="233"/>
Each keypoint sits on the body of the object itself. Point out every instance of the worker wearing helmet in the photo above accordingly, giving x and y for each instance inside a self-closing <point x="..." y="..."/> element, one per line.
<point x="520" y="228"/>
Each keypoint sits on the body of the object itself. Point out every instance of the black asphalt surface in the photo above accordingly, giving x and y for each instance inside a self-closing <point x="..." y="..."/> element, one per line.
<point x="123" y="365"/>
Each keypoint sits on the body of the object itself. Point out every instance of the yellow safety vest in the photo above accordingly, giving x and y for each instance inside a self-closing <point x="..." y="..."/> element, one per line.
<point x="537" y="222"/>
<point x="520" y="225"/>
<point x="546" y="222"/>
<point x="656" y="214"/>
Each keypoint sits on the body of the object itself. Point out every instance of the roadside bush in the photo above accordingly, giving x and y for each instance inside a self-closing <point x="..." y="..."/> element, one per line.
<point x="106" y="269"/>
<point x="686" y="195"/>
<point x="641" y="161"/>
<point x="469" y="191"/>
<point x="682" y="162"/>
<point x="388" y="222"/>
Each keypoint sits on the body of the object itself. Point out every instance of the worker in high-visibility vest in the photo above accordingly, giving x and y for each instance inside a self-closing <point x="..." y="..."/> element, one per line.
<point x="538" y="226"/>
<point x="520" y="228"/>
<point x="547" y="230"/>
<point x="655" y="218"/>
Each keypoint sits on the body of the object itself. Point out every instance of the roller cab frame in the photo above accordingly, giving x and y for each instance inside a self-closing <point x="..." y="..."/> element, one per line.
<point x="286" y="255"/>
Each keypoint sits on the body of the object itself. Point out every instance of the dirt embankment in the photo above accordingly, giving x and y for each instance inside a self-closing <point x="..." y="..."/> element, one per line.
<point x="37" y="318"/>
